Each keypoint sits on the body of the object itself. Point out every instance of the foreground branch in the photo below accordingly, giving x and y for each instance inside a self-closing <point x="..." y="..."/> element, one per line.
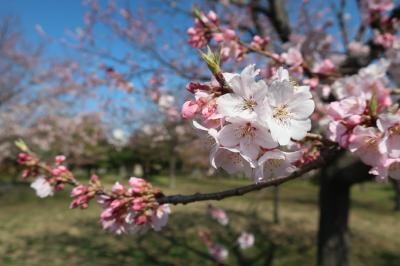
<point x="326" y="155"/>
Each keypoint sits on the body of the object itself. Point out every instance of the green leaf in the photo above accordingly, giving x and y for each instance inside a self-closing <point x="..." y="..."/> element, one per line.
<point x="212" y="59"/>
<point x="22" y="145"/>
<point x="373" y="105"/>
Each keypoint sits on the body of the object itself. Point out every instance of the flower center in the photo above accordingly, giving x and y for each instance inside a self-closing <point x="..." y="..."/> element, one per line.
<point x="281" y="113"/>
<point x="249" y="104"/>
<point x="372" y="143"/>
<point x="394" y="130"/>
<point x="247" y="130"/>
<point x="274" y="163"/>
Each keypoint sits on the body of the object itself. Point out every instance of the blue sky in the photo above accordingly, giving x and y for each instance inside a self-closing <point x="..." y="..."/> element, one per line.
<point x="54" y="16"/>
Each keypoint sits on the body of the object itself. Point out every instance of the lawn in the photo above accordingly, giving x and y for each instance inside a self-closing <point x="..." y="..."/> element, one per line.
<point x="45" y="232"/>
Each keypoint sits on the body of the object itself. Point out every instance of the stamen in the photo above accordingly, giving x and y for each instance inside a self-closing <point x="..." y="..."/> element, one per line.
<point x="249" y="104"/>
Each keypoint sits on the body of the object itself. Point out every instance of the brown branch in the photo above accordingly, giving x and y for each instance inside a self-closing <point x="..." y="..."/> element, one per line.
<point x="342" y="23"/>
<point x="279" y="18"/>
<point x="325" y="157"/>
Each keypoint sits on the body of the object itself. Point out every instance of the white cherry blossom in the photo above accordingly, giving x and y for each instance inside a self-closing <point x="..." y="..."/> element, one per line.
<point x="231" y="161"/>
<point x="247" y="94"/>
<point x="248" y="137"/>
<point x="286" y="109"/>
<point x="211" y="140"/>
<point x="276" y="163"/>
<point x="42" y="187"/>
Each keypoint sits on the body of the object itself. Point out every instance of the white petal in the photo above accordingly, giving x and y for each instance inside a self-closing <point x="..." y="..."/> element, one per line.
<point x="280" y="93"/>
<point x="274" y="154"/>
<point x="279" y="132"/>
<point x="264" y="138"/>
<point x="301" y="109"/>
<point x="229" y="104"/>
<point x="299" y="128"/>
<point x="228" y="136"/>
<point x="250" y="150"/>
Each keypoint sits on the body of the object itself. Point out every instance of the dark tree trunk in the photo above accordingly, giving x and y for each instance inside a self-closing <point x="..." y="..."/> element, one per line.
<point x="334" y="204"/>
<point x="333" y="236"/>
<point x="396" y="186"/>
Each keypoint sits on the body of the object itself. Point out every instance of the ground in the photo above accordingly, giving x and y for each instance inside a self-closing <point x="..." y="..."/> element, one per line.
<point x="45" y="232"/>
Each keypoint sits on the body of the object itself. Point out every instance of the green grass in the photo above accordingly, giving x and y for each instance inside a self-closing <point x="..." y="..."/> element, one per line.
<point x="45" y="232"/>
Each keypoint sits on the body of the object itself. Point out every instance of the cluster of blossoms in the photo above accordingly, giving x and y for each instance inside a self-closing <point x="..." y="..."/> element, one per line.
<point x="219" y="252"/>
<point x="207" y="28"/>
<point x="57" y="175"/>
<point x="256" y="126"/>
<point x="376" y="13"/>
<point x="125" y="210"/>
<point x="133" y="209"/>
<point x="364" y="121"/>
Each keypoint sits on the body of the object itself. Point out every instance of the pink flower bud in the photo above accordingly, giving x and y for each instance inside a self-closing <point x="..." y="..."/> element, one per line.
<point x="218" y="37"/>
<point x="118" y="189"/>
<point x="142" y="219"/>
<point x="230" y="34"/>
<point x="94" y="179"/>
<point x="79" y="190"/>
<point x="107" y="213"/>
<point x="137" y="184"/>
<point x="212" y="16"/>
<point x="116" y="203"/>
<point x="189" y="109"/>
<point x="60" y="159"/>
<point x="137" y="206"/>
<point x="191" y="31"/>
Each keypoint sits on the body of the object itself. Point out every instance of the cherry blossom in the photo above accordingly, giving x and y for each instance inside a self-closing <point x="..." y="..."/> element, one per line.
<point x="276" y="163"/>
<point x="219" y="252"/>
<point x="390" y="125"/>
<point x="286" y="109"/>
<point x="293" y="58"/>
<point x="247" y="137"/>
<point x="43" y="187"/>
<point x="390" y="168"/>
<point x="218" y="214"/>
<point x="245" y="240"/>
<point x="365" y="143"/>
<point x="247" y="94"/>
<point x="233" y="162"/>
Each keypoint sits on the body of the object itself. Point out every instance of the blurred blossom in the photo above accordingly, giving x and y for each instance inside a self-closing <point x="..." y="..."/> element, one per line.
<point x="245" y="240"/>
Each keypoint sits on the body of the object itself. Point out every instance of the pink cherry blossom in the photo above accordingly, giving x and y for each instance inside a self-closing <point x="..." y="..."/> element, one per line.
<point x="389" y="124"/>
<point x="293" y="58"/>
<point x="118" y="189"/>
<point x="365" y="143"/>
<point x="219" y="253"/>
<point x="60" y="159"/>
<point x="325" y="66"/>
<point x="259" y="42"/>
<point x="218" y="214"/>
<point x="189" y="109"/>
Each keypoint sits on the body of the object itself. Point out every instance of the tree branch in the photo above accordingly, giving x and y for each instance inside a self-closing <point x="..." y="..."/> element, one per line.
<point x="342" y="23"/>
<point x="325" y="157"/>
